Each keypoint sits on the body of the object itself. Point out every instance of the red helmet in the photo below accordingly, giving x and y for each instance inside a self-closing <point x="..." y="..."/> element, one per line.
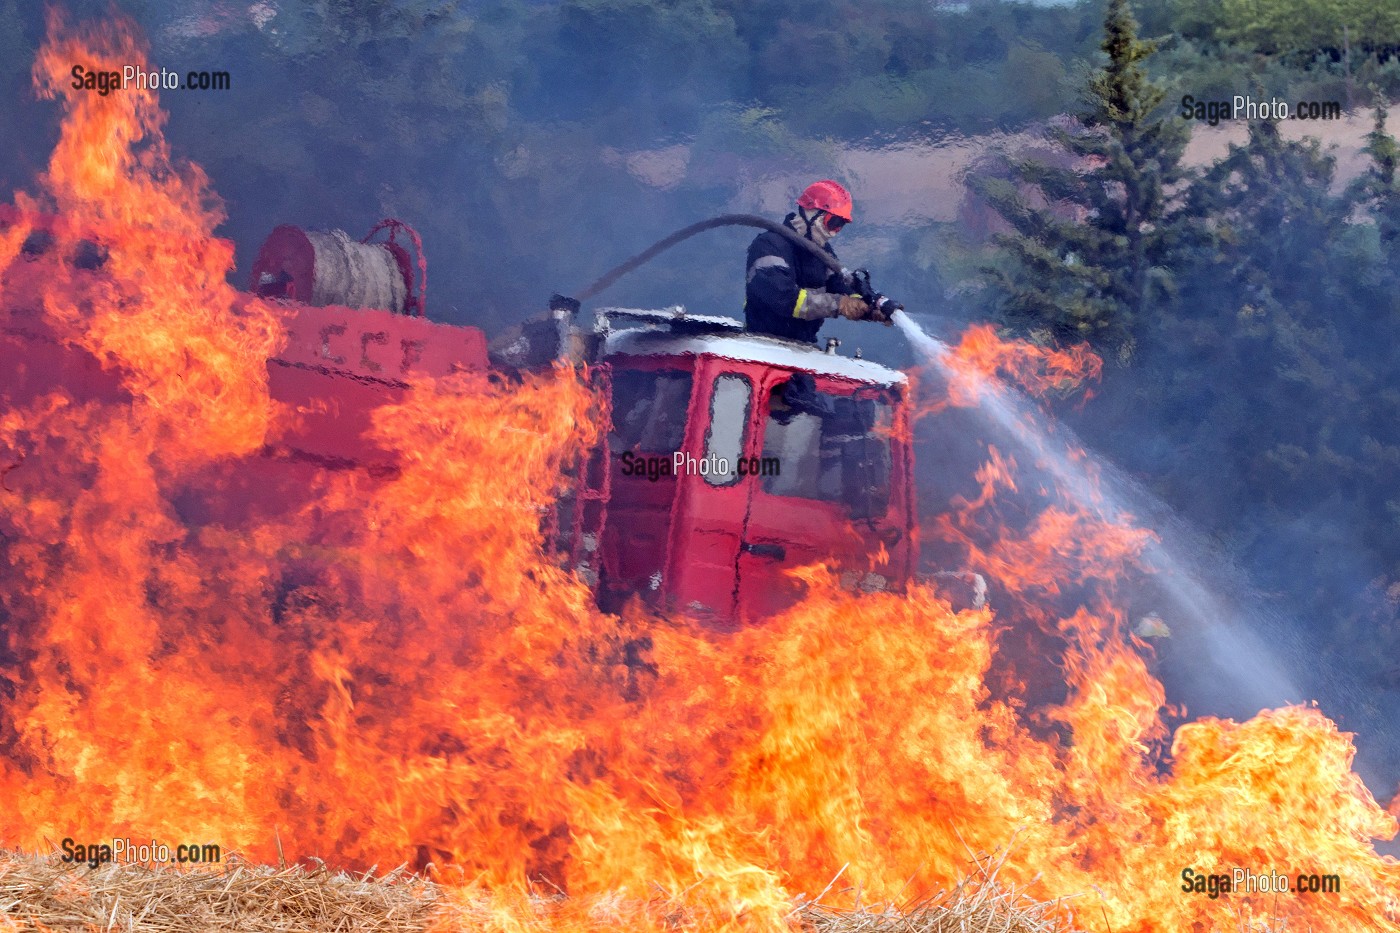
<point x="827" y="195"/>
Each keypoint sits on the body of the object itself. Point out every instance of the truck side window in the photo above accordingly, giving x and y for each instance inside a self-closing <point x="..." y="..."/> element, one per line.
<point x="831" y="447"/>
<point x="796" y="441"/>
<point x="729" y="420"/>
<point x="648" y="410"/>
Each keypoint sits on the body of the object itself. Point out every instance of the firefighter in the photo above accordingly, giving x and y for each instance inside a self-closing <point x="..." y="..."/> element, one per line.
<point x="788" y="291"/>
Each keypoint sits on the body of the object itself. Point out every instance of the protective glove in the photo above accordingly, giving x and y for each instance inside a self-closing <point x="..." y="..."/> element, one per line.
<point x="853" y="308"/>
<point x="883" y="309"/>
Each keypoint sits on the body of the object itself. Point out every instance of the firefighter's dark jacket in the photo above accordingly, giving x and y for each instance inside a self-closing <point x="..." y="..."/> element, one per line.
<point x="785" y="293"/>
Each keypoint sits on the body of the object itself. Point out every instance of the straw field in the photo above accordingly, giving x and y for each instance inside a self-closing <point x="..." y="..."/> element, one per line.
<point x="41" y="893"/>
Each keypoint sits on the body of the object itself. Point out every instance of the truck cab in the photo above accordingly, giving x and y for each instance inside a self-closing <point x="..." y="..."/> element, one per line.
<point x="735" y="458"/>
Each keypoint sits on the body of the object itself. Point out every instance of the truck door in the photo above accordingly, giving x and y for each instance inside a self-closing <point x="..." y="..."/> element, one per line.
<point x="823" y="493"/>
<point x="714" y="500"/>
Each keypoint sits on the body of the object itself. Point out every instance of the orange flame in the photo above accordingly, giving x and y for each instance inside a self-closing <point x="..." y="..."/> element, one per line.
<point x="397" y="671"/>
<point x="1037" y="370"/>
<point x="981" y="360"/>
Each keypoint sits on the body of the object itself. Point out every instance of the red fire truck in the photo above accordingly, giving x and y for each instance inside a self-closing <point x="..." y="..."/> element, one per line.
<point x="731" y="459"/>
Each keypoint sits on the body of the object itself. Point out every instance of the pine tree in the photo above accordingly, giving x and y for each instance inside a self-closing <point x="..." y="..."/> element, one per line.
<point x="1270" y="230"/>
<point x="1092" y="240"/>
<point x="1379" y="187"/>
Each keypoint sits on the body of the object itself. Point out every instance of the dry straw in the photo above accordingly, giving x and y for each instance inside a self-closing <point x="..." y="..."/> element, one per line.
<point x="971" y="907"/>
<point x="40" y="893"/>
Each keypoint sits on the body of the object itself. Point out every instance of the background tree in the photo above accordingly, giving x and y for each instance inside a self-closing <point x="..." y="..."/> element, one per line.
<point x="1091" y="239"/>
<point x="1379" y="188"/>
<point x="1294" y="26"/>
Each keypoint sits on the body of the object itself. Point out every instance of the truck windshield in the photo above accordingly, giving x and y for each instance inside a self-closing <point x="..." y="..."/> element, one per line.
<point x="649" y="409"/>
<point x="831" y="447"/>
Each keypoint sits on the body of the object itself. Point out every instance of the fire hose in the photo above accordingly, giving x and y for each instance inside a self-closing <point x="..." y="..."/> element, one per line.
<point x="860" y="279"/>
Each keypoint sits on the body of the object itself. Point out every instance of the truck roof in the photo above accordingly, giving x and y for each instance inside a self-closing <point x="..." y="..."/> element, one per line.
<point x="751" y="348"/>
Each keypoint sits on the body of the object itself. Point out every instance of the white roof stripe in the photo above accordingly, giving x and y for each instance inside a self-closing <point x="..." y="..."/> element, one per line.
<point x="752" y="348"/>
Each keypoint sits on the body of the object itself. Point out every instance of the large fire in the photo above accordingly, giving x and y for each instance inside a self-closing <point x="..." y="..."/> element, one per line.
<point x="396" y="672"/>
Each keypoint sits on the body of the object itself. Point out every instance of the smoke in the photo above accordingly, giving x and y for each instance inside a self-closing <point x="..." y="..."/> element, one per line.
<point x="1237" y="670"/>
<point x="1304" y="578"/>
<point x="1232" y="650"/>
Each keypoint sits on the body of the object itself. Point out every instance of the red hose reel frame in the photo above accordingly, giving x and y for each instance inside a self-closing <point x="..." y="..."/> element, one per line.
<point x="415" y="303"/>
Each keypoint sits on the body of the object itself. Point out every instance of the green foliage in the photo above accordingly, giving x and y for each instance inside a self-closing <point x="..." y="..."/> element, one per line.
<point x="733" y="133"/>
<point x="631" y="66"/>
<point x="1293" y="49"/>
<point x="1274" y="185"/>
<point x="1091" y="238"/>
<point x="1378" y="190"/>
<point x="1292" y="25"/>
<point x="853" y="69"/>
